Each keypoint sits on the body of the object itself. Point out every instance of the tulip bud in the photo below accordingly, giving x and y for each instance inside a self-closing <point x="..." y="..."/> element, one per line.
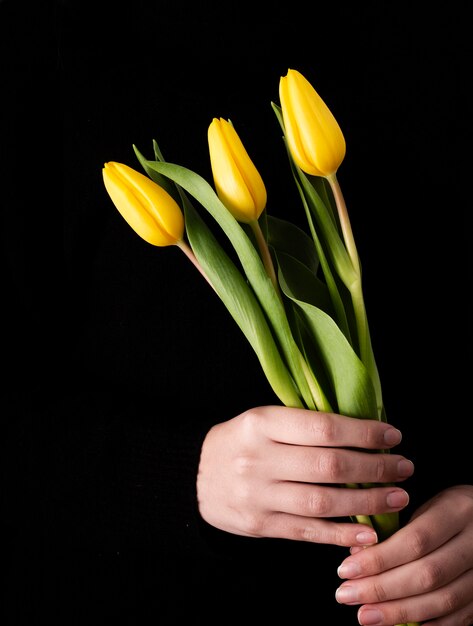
<point x="237" y="181"/>
<point x="314" y="137"/>
<point x="152" y="213"/>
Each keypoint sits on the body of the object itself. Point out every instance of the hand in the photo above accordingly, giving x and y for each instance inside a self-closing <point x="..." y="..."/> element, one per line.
<point x="276" y="472"/>
<point x="424" y="572"/>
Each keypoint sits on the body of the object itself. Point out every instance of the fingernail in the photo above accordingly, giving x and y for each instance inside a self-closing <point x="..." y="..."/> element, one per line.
<point x="347" y="595"/>
<point x="397" y="499"/>
<point x="367" y="538"/>
<point x="405" y="468"/>
<point x="370" y="617"/>
<point x="349" y="570"/>
<point x="392" y="436"/>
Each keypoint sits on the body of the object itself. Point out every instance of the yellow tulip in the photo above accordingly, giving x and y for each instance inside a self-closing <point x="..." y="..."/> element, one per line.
<point x="314" y="137"/>
<point x="237" y="181"/>
<point x="151" y="212"/>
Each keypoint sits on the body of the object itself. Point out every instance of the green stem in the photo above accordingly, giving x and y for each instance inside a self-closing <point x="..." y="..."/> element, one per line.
<point x="182" y="245"/>
<point x="321" y="402"/>
<point x="327" y="272"/>
<point x="364" y="341"/>
<point x="265" y="255"/>
<point x="344" y="222"/>
<point x="356" y="292"/>
<point x="355" y="287"/>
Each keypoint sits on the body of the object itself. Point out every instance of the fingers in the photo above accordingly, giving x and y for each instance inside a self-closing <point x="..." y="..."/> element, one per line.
<point x="314" y="530"/>
<point x="317" y="501"/>
<point x="336" y="465"/>
<point x="272" y="471"/>
<point x="423" y="572"/>
<point x="436" y="570"/>
<point x="428" y="531"/>
<point x="315" y="428"/>
<point x="452" y="605"/>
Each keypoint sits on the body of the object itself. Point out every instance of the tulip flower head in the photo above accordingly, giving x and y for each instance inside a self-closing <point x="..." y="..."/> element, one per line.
<point x="237" y="181"/>
<point x="314" y="137"/>
<point x="150" y="211"/>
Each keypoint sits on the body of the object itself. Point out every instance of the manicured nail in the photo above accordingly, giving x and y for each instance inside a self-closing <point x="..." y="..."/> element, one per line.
<point x="370" y="617"/>
<point x="367" y="538"/>
<point x="392" y="436"/>
<point x="347" y="595"/>
<point x="349" y="570"/>
<point x="397" y="499"/>
<point x="405" y="468"/>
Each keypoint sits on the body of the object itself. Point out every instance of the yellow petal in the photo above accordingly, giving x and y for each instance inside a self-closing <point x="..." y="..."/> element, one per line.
<point x="237" y="181"/>
<point x="314" y="136"/>
<point x="148" y="208"/>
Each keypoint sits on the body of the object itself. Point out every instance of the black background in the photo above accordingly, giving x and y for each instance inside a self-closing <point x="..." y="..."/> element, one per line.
<point x="82" y="294"/>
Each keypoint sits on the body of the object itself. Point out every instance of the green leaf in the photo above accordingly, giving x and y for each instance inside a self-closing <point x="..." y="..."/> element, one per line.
<point x="302" y="283"/>
<point x="323" y="189"/>
<point x="350" y="379"/>
<point x="242" y="304"/>
<point x="253" y="267"/>
<point x="309" y="349"/>
<point x="328" y="231"/>
<point x="286" y="237"/>
<point x="335" y="288"/>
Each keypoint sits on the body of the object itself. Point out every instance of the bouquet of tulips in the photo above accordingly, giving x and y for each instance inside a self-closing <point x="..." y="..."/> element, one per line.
<point x="296" y="295"/>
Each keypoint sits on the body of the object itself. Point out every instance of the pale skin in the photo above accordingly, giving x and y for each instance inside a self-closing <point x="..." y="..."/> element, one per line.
<point x="276" y="472"/>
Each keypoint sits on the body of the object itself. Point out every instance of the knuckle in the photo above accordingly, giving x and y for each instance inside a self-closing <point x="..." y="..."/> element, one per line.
<point x="372" y="563"/>
<point x="317" y="503"/>
<point x="307" y="533"/>
<point x="379" y="592"/>
<point x="315" y="532"/>
<point x="244" y="464"/>
<point x="311" y="532"/>
<point x="323" y="427"/>
<point x="402" y="616"/>
<point x="380" y="468"/>
<point x="254" y="524"/>
<point x="368" y="435"/>
<point x="419" y="541"/>
<point x="329" y="465"/>
<point x="371" y="500"/>
<point x="450" y="600"/>
<point x="431" y="576"/>
<point x="251" y="420"/>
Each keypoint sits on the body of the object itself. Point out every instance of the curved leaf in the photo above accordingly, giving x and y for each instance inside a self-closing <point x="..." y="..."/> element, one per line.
<point x="286" y="237"/>
<point x="350" y="379"/>
<point x="253" y="267"/>
<point x="240" y="301"/>
<point x="302" y="284"/>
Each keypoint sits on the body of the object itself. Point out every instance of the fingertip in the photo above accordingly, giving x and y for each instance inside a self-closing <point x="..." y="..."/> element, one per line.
<point x="392" y="436"/>
<point x="349" y="570"/>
